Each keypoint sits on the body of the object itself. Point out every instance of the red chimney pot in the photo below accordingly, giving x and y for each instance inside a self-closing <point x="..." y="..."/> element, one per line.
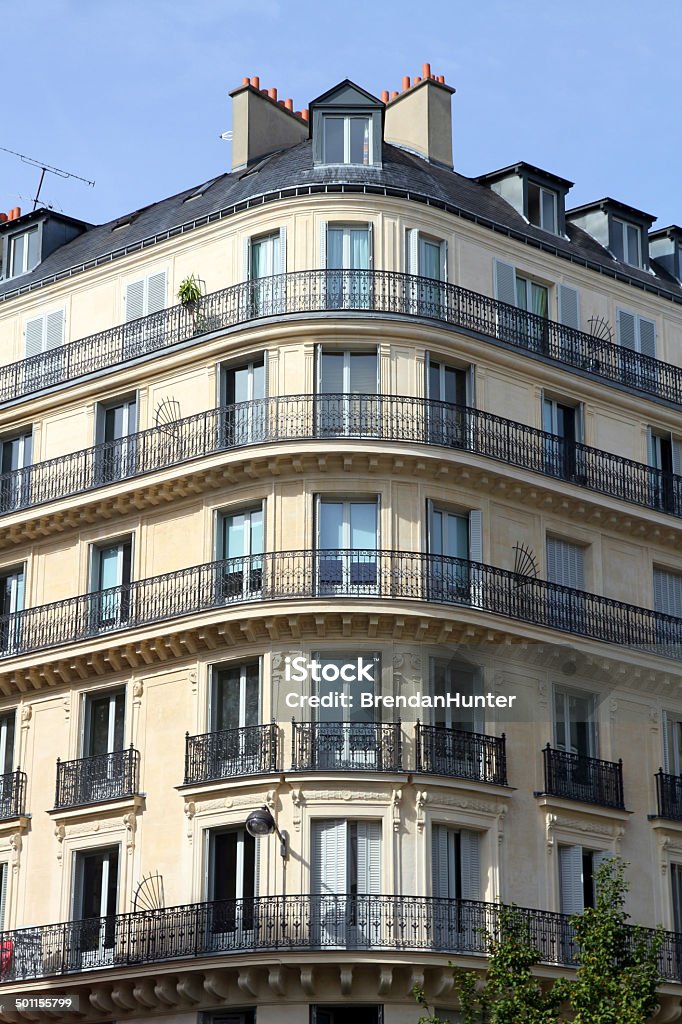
<point x="289" y="103"/>
<point x="255" y="82"/>
<point x="426" y="70"/>
<point x="394" y="94"/>
<point x="384" y="96"/>
<point x="272" y="93"/>
<point x="406" y="82"/>
<point x="304" y="114"/>
<point x="246" y="81"/>
<point x="416" y="81"/>
<point x="441" y="79"/>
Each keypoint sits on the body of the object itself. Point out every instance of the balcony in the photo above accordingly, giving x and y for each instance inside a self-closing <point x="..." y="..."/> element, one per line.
<point x="346" y="746"/>
<point x="231" y="753"/>
<point x="12" y="795"/>
<point x="386" y="418"/>
<point x="285" y="924"/>
<point x="98" y="779"/>
<point x="460" y="755"/>
<point x="669" y="795"/>
<point x="587" y="779"/>
<point x="330" y="574"/>
<point x="385" y="292"/>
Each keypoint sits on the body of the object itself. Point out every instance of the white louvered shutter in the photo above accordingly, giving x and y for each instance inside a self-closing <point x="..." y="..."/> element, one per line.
<point x="647" y="337"/>
<point x="323" y="245"/>
<point x="476" y="535"/>
<point x="677" y="463"/>
<point x="134" y="300"/>
<point x="370" y="233"/>
<point x="156" y="293"/>
<point x="444" y="261"/>
<point x="440" y="862"/>
<point x="668" y="592"/>
<point x="571" y="879"/>
<point x="505" y="282"/>
<point x="3" y="895"/>
<point x="281" y="267"/>
<point x="598" y="858"/>
<point x="412" y="251"/>
<point x="470" y="867"/>
<point x="54" y="329"/>
<point x="626" y="330"/>
<point x="369" y="858"/>
<point x="650" y="447"/>
<point x="328" y="867"/>
<point x="565" y="563"/>
<point x="665" y="726"/>
<point x="35" y="331"/>
<point x="569" y="312"/>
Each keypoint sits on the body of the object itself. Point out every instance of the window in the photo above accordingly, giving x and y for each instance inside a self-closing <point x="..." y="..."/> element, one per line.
<point x="668" y="592"/>
<point x="3" y="912"/>
<point x="7" y="727"/>
<point x="11" y="603"/>
<point x="672" y="743"/>
<point x="244" y="413"/>
<point x="637" y="334"/>
<point x="347" y="535"/>
<point x="347" y="737"/>
<point x="111" y="565"/>
<point x="566" y="568"/>
<point x="577" y="868"/>
<point x="345" y="868"/>
<point x="542" y="207"/>
<point x="665" y="485"/>
<point x="234" y="714"/>
<point x="240" y="547"/>
<point x="103" y="774"/>
<point x="95" y="902"/>
<point x="575" y="727"/>
<point x="563" y="421"/>
<point x="626" y="242"/>
<point x="455" y="539"/>
<point x="346" y="254"/>
<point x="116" y="449"/>
<point x="231" y="880"/>
<point x="531" y="297"/>
<point x="346" y="139"/>
<point x="427" y="258"/>
<point x="23" y="252"/>
<point x="145" y="296"/>
<point x="676" y="893"/>
<point x="103" y="724"/>
<point x="347" y="385"/>
<point x="15" y="460"/>
<point x="44" y="333"/>
<point x="265" y="259"/>
<point x="456" y="876"/>
<point x="450" y="391"/>
<point x="353" y="1014"/>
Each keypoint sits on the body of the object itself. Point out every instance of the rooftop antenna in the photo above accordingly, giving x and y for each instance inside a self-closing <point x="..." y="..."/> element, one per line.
<point x="45" y="168"/>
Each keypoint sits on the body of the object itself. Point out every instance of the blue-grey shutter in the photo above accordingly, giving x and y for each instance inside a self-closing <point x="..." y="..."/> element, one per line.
<point x="134" y="300"/>
<point x="54" y="329"/>
<point x="569" y="313"/>
<point x="470" y="867"/>
<point x="626" y="329"/>
<point x="440" y="862"/>
<point x="369" y="858"/>
<point x="505" y="282"/>
<point x="571" y="879"/>
<point x="647" y="337"/>
<point x="668" y="592"/>
<point x="34" y="334"/>
<point x="565" y="563"/>
<point x="156" y="293"/>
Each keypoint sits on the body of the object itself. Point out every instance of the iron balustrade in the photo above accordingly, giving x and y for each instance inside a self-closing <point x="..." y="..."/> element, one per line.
<point x="669" y="795"/>
<point x="578" y="777"/>
<point x="339" y="573"/>
<point x="12" y="794"/>
<point x="230" y="753"/>
<point x="284" y="924"/>
<point x="346" y="746"/>
<point x="392" y="418"/>
<point x="460" y="754"/>
<point x="337" y="291"/>
<point x="91" y="780"/>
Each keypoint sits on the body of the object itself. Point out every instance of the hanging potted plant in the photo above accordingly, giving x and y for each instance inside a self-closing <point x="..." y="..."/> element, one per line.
<point x="190" y="294"/>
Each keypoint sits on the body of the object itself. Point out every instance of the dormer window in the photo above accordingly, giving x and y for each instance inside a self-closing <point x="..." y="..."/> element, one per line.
<point x="542" y="207"/>
<point x="23" y="252"/>
<point x="626" y="242"/>
<point x="346" y="139"/>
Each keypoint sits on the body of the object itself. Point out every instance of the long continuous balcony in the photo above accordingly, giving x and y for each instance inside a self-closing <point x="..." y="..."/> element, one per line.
<point x="380" y="418"/>
<point x="460" y="754"/>
<point x="331" y="574"/>
<point x="103" y="777"/>
<point x="286" y="924"/>
<point x="231" y="753"/>
<point x="346" y="746"/>
<point x="12" y="795"/>
<point x="587" y="779"/>
<point x="669" y="795"/>
<point x="337" y="291"/>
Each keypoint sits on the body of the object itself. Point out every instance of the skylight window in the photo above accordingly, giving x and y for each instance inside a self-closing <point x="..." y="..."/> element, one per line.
<point x="347" y="139"/>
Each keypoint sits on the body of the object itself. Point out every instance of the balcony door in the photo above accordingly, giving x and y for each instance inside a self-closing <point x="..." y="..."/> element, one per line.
<point x="347" y="736"/>
<point x="345" y="869"/>
<point x="243" y="399"/>
<point x="234" y="716"/>
<point x="15" y="462"/>
<point x="115" y="457"/>
<point x="564" y="422"/>
<point x="231" y="887"/>
<point x="7" y="787"/>
<point x="663" y="455"/>
<point x="240" y="546"/>
<point x="575" y="727"/>
<point x="95" y="906"/>
<point x="454" y="540"/>
<point x="101" y="775"/>
<point x="347" y="546"/>
<point x="565" y="568"/>
<point x="266" y="263"/>
<point x="11" y="603"/>
<point x="348" y="258"/>
<point x="449" y="391"/>
<point x="456" y="877"/>
<point x="347" y="388"/>
<point x="577" y="868"/>
<point x="111" y="576"/>
<point x="427" y="261"/>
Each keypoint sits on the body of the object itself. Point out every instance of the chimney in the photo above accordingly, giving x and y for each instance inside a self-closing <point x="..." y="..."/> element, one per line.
<point x="261" y="125"/>
<point x="419" y="118"/>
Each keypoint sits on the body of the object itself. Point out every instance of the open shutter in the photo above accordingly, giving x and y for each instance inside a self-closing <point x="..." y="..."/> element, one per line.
<point x="476" y="535"/>
<point x="34" y="332"/>
<point x="471" y="387"/>
<point x="328" y="856"/>
<point x="246" y="259"/>
<point x="412" y="247"/>
<point x="665" y="726"/>
<point x="647" y="337"/>
<point x="505" y="282"/>
<point x="370" y="239"/>
<point x="3" y="895"/>
<point x="156" y="292"/>
<point x="281" y="267"/>
<point x="369" y="858"/>
<point x="598" y="858"/>
<point x="650" y="447"/>
<point x="470" y="867"/>
<point x="54" y="329"/>
<point x="323" y="245"/>
<point x="440" y="867"/>
<point x="134" y="300"/>
<point x="675" y="449"/>
<point x="444" y="261"/>
<point x="571" y="879"/>
<point x="626" y="329"/>
<point x="569" y="313"/>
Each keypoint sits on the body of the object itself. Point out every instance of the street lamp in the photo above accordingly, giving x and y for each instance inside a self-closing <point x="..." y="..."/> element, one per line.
<point x="261" y="823"/>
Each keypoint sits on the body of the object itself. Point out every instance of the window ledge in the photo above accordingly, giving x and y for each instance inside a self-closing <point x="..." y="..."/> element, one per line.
<point x="101" y="808"/>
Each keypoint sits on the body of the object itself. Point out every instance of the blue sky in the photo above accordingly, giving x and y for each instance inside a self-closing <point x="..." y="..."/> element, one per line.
<point x="134" y="93"/>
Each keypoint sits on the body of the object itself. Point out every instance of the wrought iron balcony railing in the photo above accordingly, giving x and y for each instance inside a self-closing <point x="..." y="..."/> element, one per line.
<point x="344" y="573"/>
<point x="230" y="753"/>
<point x="459" y="754"/>
<point x="284" y="924"/>
<point x="346" y="746"/>
<point x="91" y="780"/>
<point x="12" y="795"/>
<point x="669" y="795"/>
<point x="577" y="777"/>
<point x="338" y="291"/>
<point x="392" y="418"/>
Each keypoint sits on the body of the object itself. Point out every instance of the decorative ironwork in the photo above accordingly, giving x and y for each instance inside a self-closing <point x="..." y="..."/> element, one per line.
<point x="459" y="754"/>
<point x="230" y="753"/>
<point x="525" y="561"/>
<point x="91" y="780"/>
<point x="285" y="924"/>
<point x="149" y="894"/>
<point x="336" y="291"/>
<point x="669" y="794"/>
<point x="577" y="777"/>
<point x="12" y="795"/>
<point x="390" y="418"/>
<point x="346" y="746"/>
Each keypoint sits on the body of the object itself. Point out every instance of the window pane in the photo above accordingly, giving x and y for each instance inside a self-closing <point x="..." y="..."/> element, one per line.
<point x="363" y="525"/>
<point x="359" y="140"/>
<point x="335" y="248"/>
<point x="549" y="210"/>
<point x="18" y="254"/>
<point x="359" y="249"/>
<point x="429" y="259"/>
<point x="633" y="256"/>
<point x="333" y="140"/>
<point x="521" y="293"/>
<point x="32" y="239"/>
<point x="617" y="239"/>
<point x="331" y="525"/>
<point x="534" y="204"/>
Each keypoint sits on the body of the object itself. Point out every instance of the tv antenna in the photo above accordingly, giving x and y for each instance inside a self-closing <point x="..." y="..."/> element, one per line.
<point x="45" y="169"/>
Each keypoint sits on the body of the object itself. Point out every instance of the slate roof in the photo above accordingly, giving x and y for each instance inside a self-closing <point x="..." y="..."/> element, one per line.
<point x="403" y="173"/>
